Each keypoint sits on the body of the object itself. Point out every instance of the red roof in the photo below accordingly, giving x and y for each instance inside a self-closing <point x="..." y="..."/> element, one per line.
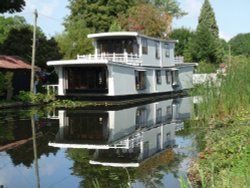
<point x="12" y="62"/>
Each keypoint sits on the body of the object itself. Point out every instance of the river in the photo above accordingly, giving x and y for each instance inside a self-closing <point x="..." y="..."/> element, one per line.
<point x="137" y="146"/>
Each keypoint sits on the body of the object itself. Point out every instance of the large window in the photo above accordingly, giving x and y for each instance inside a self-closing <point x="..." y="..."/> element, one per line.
<point x="87" y="79"/>
<point x="158" y="76"/>
<point x="144" y="46"/>
<point x="140" y="80"/>
<point x="118" y="46"/>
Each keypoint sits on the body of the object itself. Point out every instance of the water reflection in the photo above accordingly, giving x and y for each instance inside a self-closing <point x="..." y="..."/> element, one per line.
<point x="123" y="146"/>
<point x="125" y="137"/>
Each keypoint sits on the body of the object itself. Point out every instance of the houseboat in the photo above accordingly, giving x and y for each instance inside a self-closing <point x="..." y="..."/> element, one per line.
<point x="123" y="137"/>
<point x="124" y="64"/>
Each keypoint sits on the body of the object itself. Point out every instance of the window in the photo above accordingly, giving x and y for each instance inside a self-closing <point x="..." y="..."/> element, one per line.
<point x="168" y="77"/>
<point x="158" y="76"/>
<point x="168" y="113"/>
<point x="144" y="46"/>
<point x="145" y="149"/>
<point x="158" y="141"/>
<point x="140" y="80"/>
<point x="157" y="50"/>
<point x="175" y="77"/>
<point x="159" y="115"/>
<point x="167" y="50"/>
<point x="141" y="117"/>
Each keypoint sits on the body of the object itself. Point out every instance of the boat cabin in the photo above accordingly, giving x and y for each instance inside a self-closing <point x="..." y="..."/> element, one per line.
<point x="123" y="63"/>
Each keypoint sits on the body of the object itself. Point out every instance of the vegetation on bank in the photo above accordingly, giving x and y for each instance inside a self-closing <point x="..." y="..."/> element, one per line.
<point x="224" y="111"/>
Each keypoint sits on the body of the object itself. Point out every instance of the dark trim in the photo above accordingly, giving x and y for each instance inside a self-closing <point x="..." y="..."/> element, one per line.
<point x="88" y="91"/>
<point x="126" y="99"/>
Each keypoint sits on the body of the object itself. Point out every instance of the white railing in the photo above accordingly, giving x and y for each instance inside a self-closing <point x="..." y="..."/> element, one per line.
<point x="178" y="59"/>
<point x="51" y="89"/>
<point x="125" y="58"/>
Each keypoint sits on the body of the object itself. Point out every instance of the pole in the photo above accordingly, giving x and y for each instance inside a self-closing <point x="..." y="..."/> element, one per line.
<point x="35" y="151"/>
<point x="33" y="54"/>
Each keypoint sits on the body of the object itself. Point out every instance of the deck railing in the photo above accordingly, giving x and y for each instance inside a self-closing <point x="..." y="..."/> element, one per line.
<point x="51" y="88"/>
<point x="124" y="58"/>
<point x="179" y="59"/>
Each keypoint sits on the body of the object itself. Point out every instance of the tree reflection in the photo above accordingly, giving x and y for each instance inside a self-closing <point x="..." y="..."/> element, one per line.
<point x="150" y="172"/>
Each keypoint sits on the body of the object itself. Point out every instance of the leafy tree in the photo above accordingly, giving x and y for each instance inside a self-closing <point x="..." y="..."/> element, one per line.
<point x="19" y="43"/>
<point x="169" y="9"/>
<point x="11" y="6"/>
<point x="240" y="44"/>
<point x="74" y="41"/>
<point x="6" y="24"/>
<point x="183" y="36"/>
<point x="97" y="14"/>
<point x="144" y="19"/>
<point x="205" y="45"/>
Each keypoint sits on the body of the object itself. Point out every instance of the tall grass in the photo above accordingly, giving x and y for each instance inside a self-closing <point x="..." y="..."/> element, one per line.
<point x="229" y="94"/>
<point x="227" y="103"/>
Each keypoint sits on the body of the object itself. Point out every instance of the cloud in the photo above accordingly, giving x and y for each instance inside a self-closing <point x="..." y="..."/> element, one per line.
<point x="193" y="7"/>
<point x="46" y="7"/>
<point x="224" y="36"/>
<point x="49" y="9"/>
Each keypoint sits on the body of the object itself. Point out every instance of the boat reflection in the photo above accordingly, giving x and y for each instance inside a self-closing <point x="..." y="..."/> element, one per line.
<point x="124" y="137"/>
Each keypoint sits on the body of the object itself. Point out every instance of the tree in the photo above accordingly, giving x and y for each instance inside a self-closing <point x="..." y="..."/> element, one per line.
<point x="6" y="24"/>
<point x="169" y="9"/>
<point x="19" y="43"/>
<point x="74" y="41"/>
<point x="11" y="6"/>
<point x="183" y="36"/>
<point x="97" y="14"/>
<point x="145" y="19"/>
<point x="240" y="44"/>
<point x="205" y="45"/>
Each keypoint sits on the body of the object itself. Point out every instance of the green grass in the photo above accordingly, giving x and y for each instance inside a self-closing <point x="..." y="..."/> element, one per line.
<point x="225" y="112"/>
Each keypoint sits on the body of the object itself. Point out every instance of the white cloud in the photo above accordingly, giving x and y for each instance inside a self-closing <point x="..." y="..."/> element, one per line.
<point x="193" y="7"/>
<point x="46" y="8"/>
<point x="224" y="36"/>
<point x="49" y="9"/>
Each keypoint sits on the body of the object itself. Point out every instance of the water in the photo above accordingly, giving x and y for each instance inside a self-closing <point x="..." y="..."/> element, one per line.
<point x="150" y="145"/>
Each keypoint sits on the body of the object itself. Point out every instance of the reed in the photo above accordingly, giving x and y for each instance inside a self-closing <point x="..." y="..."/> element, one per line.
<point x="229" y="94"/>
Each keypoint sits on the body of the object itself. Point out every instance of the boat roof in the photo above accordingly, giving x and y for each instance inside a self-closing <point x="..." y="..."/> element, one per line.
<point x="126" y="34"/>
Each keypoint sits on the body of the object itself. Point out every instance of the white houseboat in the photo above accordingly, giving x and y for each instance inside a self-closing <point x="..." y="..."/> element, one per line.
<point x="124" y="64"/>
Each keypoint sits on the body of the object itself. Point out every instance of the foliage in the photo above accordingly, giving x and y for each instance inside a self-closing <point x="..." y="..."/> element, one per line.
<point x="75" y="40"/>
<point x="183" y="36"/>
<point x="11" y="6"/>
<point x="2" y="88"/>
<point x="98" y="15"/>
<point x="35" y="98"/>
<point x="204" y="67"/>
<point x="169" y="9"/>
<point x="6" y="84"/>
<point x="225" y="161"/>
<point x="225" y="109"/>
<point x="205" y="44"/>
<point x="144" y="19"/>
<point x="240" y="44"/>
<point x="17" y="41"/>
<point x="9" y="23"/>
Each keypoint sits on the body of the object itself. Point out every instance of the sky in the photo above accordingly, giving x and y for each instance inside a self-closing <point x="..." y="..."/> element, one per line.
<point x="232" y="16"/>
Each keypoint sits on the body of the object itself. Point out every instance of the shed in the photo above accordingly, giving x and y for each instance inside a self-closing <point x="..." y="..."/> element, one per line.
<point x="21" y="72"/>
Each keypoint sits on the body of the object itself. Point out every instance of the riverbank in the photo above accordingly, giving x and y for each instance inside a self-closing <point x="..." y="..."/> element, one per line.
<point x="224" y="112"/>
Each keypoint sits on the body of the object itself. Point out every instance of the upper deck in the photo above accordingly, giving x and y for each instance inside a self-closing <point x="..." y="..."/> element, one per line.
<point x="129" y="48"/>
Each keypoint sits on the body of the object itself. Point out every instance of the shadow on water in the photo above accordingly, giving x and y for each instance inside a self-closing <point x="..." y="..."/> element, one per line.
<point x="133" y="146"/>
